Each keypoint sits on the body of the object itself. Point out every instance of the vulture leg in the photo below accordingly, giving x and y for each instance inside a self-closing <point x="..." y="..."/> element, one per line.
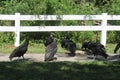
<point x="95" y="56"/>
<point x="18" y="59"/>
<point x="23" y="57"/>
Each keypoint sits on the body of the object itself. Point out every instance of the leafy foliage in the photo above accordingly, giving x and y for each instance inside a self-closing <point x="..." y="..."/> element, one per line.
<point x="60" y="7"/>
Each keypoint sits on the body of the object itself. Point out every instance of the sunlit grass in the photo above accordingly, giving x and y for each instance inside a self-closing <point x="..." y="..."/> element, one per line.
<point x="32" y="48"/>
<point x="40" y="48"/>
<point x="6" y="48"/>
<point x="110" y="48"/>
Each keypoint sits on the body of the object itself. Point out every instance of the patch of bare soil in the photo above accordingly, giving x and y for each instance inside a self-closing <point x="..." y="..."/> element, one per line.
<point x="80" y="56"/>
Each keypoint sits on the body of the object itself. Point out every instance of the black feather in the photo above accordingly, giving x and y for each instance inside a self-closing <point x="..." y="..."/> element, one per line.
<point x="20" y="50"/>
<point x="117" y="47"/>
<point x="48" y="41"/>
<point x="95" y="48"/>
<point x="50" y="51"/>
<point x="69" y="45"/>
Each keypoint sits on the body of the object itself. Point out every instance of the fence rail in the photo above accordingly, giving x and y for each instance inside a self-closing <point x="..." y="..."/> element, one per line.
<point x="18" y="29"/>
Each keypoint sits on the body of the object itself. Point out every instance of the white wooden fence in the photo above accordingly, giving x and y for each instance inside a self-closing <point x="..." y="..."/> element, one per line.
<point x="18" y="18"/>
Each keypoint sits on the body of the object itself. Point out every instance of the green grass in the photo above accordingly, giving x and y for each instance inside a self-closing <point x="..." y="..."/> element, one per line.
<point x="110" y="48"/>
<point x="95" y="70"/>
<point x="32" y="48"/>
<point x="39" y="48"/>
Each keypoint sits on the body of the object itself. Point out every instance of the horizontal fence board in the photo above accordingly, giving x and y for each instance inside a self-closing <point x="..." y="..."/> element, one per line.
<point x="113" y="28"/>
<point x="7" y="29"/>
<point x="7" y="17"/>
<point x="113" y="17"/>
<point x="60" y="28"/>
<point x="61" y="17"/>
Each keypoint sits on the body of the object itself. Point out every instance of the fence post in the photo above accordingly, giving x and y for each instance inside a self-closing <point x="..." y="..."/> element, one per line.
<point x="17" y="29"/>
<point x="104" y="30"/>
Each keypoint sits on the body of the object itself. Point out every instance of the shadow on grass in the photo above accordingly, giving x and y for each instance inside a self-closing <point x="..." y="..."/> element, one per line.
<point x="59" y="71"/>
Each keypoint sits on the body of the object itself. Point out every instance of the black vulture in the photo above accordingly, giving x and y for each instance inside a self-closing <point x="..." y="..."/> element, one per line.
<point x="50" y="51"/>
<point x="20" y="50"/>
<point x="69" y="45"/>
<point x="89" y="45"/>
<point x="48" y="41"/>
<point x="50" y="47"/>
<point x="117" y="47"/>
<point x="95" y="48"/>
<point x="85" y="46"/>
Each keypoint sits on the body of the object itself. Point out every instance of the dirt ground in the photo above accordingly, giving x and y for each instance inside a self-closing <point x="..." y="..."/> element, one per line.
<point x="80" y="56"/>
